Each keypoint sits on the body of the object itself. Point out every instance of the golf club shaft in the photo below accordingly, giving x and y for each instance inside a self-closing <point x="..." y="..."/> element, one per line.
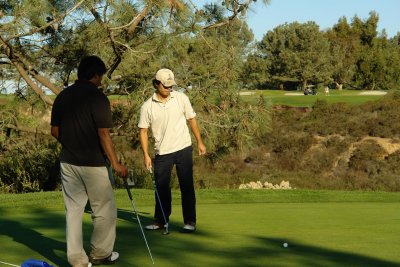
<point x="159" y="201"/>
<point x="137" y="217"/>
<point x="10" y="264"/>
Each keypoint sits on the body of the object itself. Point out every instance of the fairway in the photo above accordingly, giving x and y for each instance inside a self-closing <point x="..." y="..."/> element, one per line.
<point x="235" y="228"/>
<point x="298" y="99"/>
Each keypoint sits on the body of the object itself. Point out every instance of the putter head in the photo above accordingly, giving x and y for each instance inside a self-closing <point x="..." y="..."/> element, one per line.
<point x="130" y="179"/>
<point x="166" y="232"/>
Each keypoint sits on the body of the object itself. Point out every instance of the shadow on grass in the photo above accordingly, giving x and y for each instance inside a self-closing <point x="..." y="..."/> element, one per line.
<point x="176" y="249"/>
<point x="23" y="234"/>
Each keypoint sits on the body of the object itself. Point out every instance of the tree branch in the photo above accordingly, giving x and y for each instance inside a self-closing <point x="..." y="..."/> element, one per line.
<point x="17" y="56"/>
<point x="36" y="74"/>
<point x="26" y="129"/>
<point x="56" y="20"/>
<point x="135" y="22"/>
<point x="219" y="125"/>
<point x="24" y="74"/>
<point x="236" y="10"/>
<point x="117" y="49"/>
<point x="31" y="83"/>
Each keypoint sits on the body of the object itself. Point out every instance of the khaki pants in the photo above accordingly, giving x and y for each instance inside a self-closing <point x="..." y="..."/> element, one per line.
<point x="79" y="185"/>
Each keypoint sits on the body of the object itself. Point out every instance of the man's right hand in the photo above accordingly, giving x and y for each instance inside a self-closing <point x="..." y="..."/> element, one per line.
<point x="121" y="170"/>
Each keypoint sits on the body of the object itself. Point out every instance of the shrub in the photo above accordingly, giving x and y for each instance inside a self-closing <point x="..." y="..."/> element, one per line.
<point x="289" y="147"/>
<point x="367" y="158"/>
<point x="29" y="166"/>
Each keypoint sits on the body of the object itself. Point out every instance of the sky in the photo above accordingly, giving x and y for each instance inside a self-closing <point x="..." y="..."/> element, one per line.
<point x="326" y="13"/>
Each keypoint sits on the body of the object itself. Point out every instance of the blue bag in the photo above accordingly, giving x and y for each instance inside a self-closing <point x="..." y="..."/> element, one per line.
<point x="35" y="263"/>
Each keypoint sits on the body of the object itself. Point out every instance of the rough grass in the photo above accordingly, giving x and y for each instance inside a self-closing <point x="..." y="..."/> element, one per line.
<point x="235" y="228"/>
<point x="4" y="99"/>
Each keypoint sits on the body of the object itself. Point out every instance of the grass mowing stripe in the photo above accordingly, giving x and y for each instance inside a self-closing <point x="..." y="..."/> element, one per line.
<point x="293" y="196"/>
<point x="211" y="196"/>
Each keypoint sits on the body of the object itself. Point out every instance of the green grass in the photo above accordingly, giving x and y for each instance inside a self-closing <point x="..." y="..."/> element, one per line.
<point x="283" y="98"/>
<point x="235" y="228"/>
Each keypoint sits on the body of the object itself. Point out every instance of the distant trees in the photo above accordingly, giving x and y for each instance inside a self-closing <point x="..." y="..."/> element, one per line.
<point x="344" y="49"/>
<point x="352" y="54"/>
<point x="373" y="58"/>
<point x="297" y="52"/>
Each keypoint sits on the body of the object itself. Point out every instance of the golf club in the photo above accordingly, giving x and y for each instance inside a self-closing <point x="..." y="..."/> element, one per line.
<point x="166" y="232"/>
<point x="137" y="216"/>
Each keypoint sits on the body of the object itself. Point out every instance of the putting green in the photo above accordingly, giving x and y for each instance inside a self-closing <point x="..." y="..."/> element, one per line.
<point x="235" y="228"/>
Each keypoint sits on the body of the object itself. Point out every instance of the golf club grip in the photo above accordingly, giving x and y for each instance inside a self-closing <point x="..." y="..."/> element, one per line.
<point x="127" y="189"/>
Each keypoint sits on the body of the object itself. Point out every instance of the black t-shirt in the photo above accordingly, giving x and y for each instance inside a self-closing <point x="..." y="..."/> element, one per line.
<point x="79" y="111"/>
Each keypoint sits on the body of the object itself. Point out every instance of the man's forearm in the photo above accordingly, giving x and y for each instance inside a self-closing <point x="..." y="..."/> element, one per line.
<point x="108" y="146"/>
<point x="55" y="131"/>
<point x="195" y="130"/>
<point x="144" y="141"/>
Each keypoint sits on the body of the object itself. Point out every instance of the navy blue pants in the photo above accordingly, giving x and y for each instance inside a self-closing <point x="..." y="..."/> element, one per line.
<point x="163" y="165"/>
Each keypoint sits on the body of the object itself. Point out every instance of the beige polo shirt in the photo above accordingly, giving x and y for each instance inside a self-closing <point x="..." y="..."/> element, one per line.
<point x="168" y="122"/>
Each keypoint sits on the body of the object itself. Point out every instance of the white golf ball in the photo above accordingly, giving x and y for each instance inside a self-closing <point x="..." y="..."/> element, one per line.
<point x="285" y="245"/>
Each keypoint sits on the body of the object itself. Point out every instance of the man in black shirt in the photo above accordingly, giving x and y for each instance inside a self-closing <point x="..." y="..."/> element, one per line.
<point x="80" y="121"/>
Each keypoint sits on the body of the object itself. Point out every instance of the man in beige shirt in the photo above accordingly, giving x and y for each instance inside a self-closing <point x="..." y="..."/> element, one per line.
<point x="166" y="113"/>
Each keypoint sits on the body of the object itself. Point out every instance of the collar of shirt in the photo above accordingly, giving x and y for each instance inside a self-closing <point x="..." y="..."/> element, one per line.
<point x="86" y="83"/>
<point x="171" y="95"/>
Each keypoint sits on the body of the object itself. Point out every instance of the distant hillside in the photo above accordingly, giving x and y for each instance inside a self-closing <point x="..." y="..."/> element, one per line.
<point x="330" y="146"/>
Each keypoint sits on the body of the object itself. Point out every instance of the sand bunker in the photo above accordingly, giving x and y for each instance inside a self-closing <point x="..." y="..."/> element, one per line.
<point x="373" y="93"/>
<point x="294" y="93"/>
<point x="247" y="93"/>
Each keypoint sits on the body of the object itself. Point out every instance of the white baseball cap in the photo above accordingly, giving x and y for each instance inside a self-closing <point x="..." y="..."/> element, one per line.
<point x="166" y="77"/>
